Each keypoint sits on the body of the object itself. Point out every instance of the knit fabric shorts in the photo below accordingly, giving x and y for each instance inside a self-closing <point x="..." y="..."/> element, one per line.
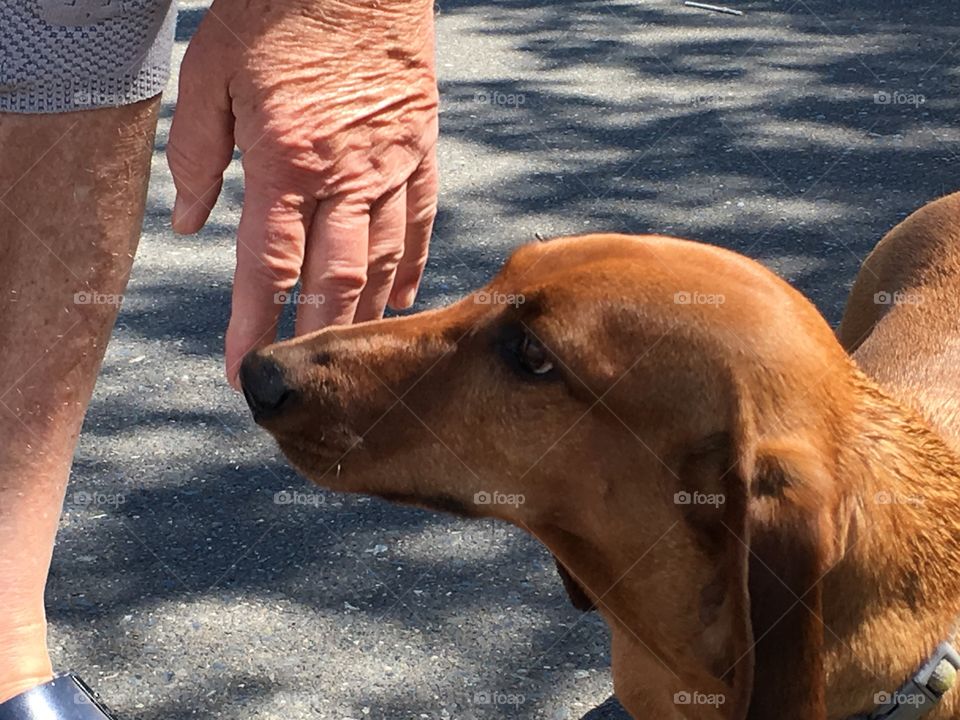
<point x="63" y="55"/>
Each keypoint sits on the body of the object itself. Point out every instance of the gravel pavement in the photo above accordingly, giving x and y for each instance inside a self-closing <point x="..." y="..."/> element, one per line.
<point x="797" y="133"/>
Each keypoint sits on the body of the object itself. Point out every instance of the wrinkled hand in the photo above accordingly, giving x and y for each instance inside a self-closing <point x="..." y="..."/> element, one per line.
<point x="333" y="104"/>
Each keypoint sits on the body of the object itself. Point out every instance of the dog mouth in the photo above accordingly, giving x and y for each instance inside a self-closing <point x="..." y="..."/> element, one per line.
<point x="328" y="448"/>
<point x="437" y="502"/>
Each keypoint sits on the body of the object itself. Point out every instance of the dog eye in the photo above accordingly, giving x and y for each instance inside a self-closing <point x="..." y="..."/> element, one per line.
<point x="534" y="357"/>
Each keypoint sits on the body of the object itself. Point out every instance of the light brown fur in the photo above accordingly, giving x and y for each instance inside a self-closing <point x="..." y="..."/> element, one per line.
<point x="903" y="316"/>
<point x="801" y="595"/>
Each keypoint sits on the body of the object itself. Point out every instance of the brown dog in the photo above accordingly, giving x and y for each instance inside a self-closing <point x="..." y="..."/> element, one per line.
<point x="767" y="532"/>
<point x="903" y="317"/>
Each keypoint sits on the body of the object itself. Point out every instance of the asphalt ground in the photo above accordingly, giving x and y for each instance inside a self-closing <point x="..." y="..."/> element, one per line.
<point x="797" y="134"/>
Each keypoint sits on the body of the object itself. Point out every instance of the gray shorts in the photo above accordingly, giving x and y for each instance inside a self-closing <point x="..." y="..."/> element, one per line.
<point x="62" y="55"/>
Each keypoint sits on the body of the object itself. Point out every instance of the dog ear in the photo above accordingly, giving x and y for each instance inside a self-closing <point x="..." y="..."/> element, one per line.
<point x="763" y="633"/>
<point x="790" y="553"/>
<point x="722" y="528"/>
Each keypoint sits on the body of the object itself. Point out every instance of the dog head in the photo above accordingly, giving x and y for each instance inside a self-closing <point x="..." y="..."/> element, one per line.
<point x="660" y="413"/>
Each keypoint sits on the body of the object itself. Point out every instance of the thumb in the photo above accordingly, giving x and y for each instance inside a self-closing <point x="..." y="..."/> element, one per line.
<point x="201" y="136"/>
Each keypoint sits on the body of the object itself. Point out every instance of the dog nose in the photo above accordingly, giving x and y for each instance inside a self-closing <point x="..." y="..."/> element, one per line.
<point x="263" y="385"/>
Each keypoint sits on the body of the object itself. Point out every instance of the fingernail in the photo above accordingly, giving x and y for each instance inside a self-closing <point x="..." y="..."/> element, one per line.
<point x="180" y="209"/>
<point x="407" y="297"/>
<point x="232" y="371"/>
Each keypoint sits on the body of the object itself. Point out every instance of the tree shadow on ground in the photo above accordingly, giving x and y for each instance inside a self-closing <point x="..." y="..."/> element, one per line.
<point x="795" y="134"/>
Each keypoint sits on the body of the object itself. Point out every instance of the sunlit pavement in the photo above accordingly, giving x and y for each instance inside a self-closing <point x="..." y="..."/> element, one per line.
<point x="183" y="584"/>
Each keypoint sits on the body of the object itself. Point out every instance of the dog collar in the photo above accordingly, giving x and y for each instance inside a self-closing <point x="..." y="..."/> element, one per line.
<point x="922" y="692"/>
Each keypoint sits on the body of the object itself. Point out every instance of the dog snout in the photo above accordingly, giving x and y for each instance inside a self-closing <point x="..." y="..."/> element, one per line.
<point x="264" y="385"/>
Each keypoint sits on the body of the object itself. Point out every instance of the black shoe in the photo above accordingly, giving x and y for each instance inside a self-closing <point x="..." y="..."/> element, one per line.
<point x="610" y="710"/>
<point x="64" y="698"/>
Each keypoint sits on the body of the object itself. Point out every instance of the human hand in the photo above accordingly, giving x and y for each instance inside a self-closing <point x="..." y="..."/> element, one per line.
<point x="333" y="104"/>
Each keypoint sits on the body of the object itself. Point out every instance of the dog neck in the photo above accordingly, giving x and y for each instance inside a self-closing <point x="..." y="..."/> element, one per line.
<point x="895" y="593"/>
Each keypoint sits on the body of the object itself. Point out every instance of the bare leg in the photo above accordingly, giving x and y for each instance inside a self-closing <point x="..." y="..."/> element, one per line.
<point x="72" y="194"/>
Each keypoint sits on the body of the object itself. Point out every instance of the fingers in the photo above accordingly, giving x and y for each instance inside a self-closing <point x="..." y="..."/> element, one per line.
<point x="270" y="249"/>
<point x="201" y="139"/>
<point x="355" y="262"/>
<point x="388" y="220"/>
<point x="422" y="190"/>
<point x="335" y="266"/>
